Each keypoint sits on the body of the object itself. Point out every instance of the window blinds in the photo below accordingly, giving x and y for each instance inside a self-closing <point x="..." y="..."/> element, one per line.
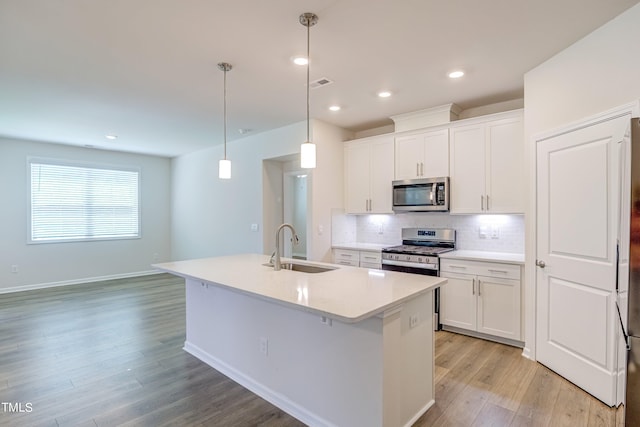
<point x="76" y="203"/>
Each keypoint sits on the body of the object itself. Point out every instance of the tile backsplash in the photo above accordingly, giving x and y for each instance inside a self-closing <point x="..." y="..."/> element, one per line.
<point x="496" y="233"/>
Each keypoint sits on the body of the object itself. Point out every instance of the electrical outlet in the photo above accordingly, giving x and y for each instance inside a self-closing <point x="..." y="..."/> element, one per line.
<point x="483" y="232"/>
<point x="495" y="233"/>
<point x="14" y="268"/>
<point x="413" y="321"/>
<point x="254" y="227"/>
<point x="264" y="346"/>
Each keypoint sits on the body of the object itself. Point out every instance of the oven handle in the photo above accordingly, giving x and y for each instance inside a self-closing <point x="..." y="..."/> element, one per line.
<point x="410" y="264"/>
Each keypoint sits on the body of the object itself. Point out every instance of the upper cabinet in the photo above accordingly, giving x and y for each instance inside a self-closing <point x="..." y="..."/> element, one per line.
<point x="368" y="175"/>
<point x="422" y="155"/>
<point x="487" y="166"/>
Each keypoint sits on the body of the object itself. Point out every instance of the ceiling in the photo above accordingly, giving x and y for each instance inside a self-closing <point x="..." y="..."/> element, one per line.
<point x="72" y="71"/>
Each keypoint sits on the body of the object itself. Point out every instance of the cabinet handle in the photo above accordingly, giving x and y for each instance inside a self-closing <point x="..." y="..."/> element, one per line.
<point x="481" y="202"/>
<point x="457" y="266"/>
<point x="498" y="271"/>
<point x="421" y="169"/>
<point x="417" y="169"/>
<point x="370" y="257"/>
<point x="370" y="205"/>
<point x="344" y="263"/>
<point x="473" y="286"/>
<point x="479" y="287"/>
<point x="346" y="255"/>
<point x="487" y="202"/>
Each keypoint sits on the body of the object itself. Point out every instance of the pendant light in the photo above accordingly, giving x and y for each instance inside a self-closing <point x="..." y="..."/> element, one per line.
<point x="224" y="166"/>
<point x="308" y="148"/>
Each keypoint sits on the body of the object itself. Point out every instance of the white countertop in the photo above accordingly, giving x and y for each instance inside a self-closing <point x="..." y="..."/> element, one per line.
<point x="347" y="294"/>
<point x="504" y="257"/>
<point x="374" y="247"/>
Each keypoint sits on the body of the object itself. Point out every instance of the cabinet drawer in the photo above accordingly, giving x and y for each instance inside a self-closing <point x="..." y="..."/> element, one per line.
<point x="370" y="257"/>
<point x="489" y="269"/>
<point x="346" y="257"/>
<point x="373" y="265"/>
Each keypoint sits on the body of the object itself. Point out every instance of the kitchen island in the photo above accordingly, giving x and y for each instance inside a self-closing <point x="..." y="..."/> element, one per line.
<point x="345" y="347"/>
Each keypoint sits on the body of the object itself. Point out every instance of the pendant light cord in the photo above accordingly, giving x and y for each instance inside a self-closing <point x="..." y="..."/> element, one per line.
<point x="225" y="113"/>
<point x="308" y="66"/>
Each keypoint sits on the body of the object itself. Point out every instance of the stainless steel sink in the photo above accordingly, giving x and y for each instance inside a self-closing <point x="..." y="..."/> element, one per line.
<point x="304" y="268"/>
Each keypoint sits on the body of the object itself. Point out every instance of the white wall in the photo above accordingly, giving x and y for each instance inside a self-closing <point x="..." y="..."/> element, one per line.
<point x="213" y="217"/>
<point x="597" y="73"/>
<point x="63" y="263"/>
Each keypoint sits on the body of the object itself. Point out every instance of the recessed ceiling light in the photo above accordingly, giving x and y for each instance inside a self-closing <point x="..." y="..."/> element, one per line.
<point x="111" y="136"/>
<point x="334" y="108"/>
<point x="384" y="94"/>
<point x="456" y="74"/>
<point x="300" y="60"/>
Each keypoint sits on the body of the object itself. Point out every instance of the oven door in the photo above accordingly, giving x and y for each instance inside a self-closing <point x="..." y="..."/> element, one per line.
<point x="408" y="269"/>
<point x="425" y="272"/>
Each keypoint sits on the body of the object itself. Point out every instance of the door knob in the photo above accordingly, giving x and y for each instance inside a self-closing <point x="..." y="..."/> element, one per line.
<point x="540" y="263"/>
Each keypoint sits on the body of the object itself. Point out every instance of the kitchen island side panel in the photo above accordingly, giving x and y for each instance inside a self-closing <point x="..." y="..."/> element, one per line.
<point x="323" y="374"/>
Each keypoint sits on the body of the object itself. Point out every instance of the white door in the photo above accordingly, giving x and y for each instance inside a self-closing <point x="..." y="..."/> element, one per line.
<point x="505" y="166"/>
<point x="357" y="165"/>
<point x="499" y="307"/>
<point x="577" y="216"/>
<point x="381" y="176"/>
<point x="458" y="301"/>
<point x="468" y="169"/>
<point x="409" y="152"/>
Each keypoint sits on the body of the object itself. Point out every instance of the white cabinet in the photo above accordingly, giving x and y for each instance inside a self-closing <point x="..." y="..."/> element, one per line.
<point x="422" y="155"/>
<point x="346" y="257"/>
<point x="487" y="166"/>
<point x="368" y="175"/>
<point x="481" y="297"/>
<point x="357" y="258"/>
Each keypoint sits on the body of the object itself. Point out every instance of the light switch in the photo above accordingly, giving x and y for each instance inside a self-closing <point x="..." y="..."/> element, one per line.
<point x="254" y="227"/>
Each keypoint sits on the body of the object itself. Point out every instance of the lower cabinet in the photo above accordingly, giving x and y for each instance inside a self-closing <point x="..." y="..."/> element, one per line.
<point x="357" y="258"/>
<point x="482" y="297"/>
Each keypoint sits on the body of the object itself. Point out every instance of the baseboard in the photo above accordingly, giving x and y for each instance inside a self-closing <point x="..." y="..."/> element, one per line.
<point x="526" y="352"/>
<point x="487" y="337"/>
<point x="77" y="281"/>
<point x="420" y="413"/>
<point x="260" y="389"/>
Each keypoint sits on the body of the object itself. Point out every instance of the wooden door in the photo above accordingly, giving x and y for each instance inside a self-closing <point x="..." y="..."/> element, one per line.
<point x="577" y="219"/>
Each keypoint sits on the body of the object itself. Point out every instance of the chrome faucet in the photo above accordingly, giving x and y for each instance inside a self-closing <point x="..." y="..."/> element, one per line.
<point x="277" y="264"/>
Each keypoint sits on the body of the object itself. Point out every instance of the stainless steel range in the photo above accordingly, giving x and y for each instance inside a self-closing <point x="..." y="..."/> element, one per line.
<point x="419" y="254"/>
<point x="419" y="250"/>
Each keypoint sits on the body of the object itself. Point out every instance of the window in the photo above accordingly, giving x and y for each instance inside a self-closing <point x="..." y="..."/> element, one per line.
<point x="75" y="202"/>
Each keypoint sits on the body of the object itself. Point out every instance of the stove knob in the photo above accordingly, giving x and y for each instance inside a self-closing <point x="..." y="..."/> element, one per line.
<point x="419" y="259"/>
<point x="408" y="257"/>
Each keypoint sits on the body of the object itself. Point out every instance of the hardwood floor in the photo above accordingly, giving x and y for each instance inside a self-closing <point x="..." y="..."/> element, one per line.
<point x="110" y="354"/>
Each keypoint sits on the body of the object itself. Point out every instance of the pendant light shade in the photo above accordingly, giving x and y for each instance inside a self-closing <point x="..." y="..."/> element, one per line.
<point x="308" y="148"/>
<point x="224" y="166"/>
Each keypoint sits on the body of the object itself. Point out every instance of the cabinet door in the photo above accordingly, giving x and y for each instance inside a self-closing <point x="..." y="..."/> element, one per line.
<point x="468" y="169"/>
<point x="458" y="301"/>
<point x="436" y="154"/>
<point x="357" y="165"/>
<point x="381" y="176"/>
<point x="409" y="153"/>
<point x="499" y="307"/>
<point x="505" y="166"/>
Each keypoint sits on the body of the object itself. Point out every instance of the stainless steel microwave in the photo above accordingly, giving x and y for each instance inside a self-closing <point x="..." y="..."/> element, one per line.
<point x="421" y="195"/>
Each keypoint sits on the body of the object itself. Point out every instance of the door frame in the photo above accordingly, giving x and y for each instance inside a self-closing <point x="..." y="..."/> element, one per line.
<point x="531" y="219"/>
